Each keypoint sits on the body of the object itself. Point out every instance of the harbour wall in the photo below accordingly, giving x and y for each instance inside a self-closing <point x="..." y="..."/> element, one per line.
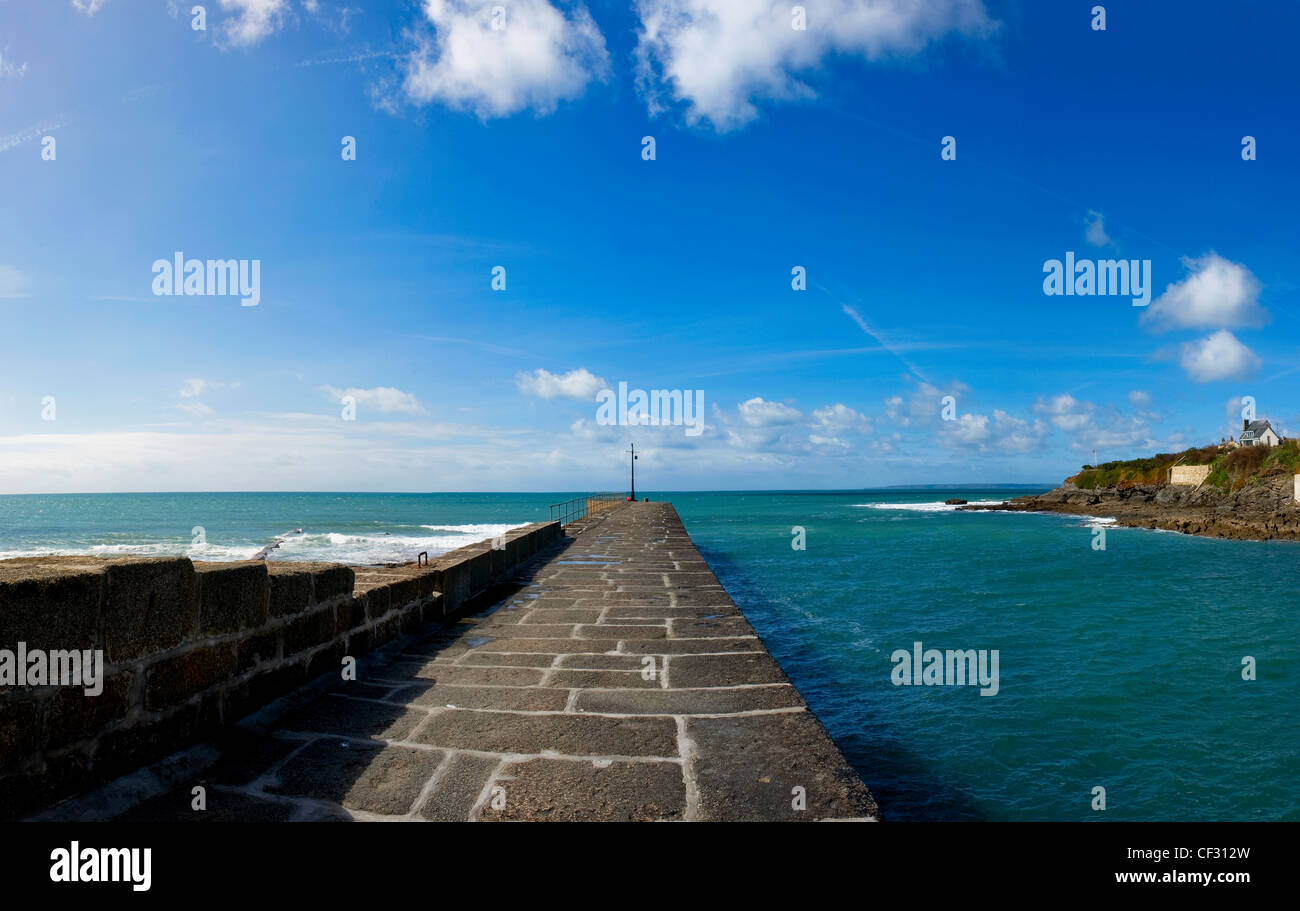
<point x="190" y="647"/>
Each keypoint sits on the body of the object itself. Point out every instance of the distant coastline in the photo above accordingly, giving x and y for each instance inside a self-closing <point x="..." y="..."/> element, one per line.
<point x="1047" y="485"/>
<point x="1265" y="511"/>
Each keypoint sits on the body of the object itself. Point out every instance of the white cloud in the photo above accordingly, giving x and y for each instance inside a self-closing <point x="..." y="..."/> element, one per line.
<point x="193" y="387"/>
<point x="1095" y="233"/>
<point x="197" y="409"/>
<point x="967" y="429"/>
<point x="12" y="282"/>
<point x="1139" y="398"/>
<point x="381" y="398"/>
<point x="27" y="134"/>
<point x="722" y="56"/>
<point x="758" y="413"/>
<point x="10" y="69"/>
<point x="1065" y="412"/>
<point x="1016" y="434"/>
<point x="924" y="404"/>
<point x="1217" y="357"/>
<point x="839" y="418"/>
<point x="540" y="58"/>
<point x="253" y="20"/>
<point x="89" y="7"/>
<point x="579" y="384"/>
<point x="1219" y="294"/>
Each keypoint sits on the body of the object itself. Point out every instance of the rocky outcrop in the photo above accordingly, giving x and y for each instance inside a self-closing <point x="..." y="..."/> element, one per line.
<point x="1261" y="511"/>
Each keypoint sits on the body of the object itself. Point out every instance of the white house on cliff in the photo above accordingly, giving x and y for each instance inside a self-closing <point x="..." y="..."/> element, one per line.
<point x="1258" y="433"/>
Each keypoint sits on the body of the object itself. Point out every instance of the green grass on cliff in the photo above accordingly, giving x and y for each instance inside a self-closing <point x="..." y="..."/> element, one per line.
<point x="1231" y="469"/>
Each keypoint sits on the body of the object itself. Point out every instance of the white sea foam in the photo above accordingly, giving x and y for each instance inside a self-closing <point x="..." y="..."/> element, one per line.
<point x="937" y="506"/>
<point x="1098" y="522"/>
<point x="372" y="548"/>
<point x="326" y="546"/>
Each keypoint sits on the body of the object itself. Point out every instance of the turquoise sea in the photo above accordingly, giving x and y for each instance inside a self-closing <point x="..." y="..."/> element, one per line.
<point x="1119" y="668"/>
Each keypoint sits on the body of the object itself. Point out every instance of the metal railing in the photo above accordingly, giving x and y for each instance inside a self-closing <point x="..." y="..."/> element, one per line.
<point x="582" y="507"/>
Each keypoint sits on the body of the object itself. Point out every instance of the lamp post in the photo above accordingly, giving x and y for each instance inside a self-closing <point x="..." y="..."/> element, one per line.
<point x="634" y="457"/>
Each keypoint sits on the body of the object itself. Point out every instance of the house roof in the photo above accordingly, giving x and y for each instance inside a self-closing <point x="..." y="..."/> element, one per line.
<point x="1257" y="428"/>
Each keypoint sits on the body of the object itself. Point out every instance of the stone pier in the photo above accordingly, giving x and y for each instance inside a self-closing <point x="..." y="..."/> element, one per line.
<point x="609" y="678"/>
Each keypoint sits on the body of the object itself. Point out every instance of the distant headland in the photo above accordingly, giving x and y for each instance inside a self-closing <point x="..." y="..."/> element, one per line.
<point x="1248" y="489"/>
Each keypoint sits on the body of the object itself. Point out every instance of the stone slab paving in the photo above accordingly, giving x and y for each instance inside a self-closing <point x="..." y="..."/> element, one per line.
<point x="618" y="681"/>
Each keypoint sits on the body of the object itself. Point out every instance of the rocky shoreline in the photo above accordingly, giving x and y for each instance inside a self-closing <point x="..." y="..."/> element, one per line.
<point x="1264" y="511"/>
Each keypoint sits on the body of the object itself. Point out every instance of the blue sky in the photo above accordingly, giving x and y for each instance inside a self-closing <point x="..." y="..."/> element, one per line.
<point x="521" y="147"/>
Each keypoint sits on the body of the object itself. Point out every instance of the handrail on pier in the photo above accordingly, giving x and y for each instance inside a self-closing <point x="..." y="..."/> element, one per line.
<point x="581" y="507"/>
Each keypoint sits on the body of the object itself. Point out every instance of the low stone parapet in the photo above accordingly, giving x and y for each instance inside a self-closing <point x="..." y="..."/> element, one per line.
<point x="157" y="653"/>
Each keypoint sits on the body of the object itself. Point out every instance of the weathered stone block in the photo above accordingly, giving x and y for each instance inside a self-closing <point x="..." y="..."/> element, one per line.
<point x="51" y="602"/>
<point x="174" y="680"/>
<point x="290" y="588"/>
<point x="408" y="619"/>
<point x="328" y="660"/>
<point x="308" y="631"/>
<point x="747" y="765"/>
<point x="385" y="631"/>
<point x="126" y="749"/>
<point x="26" y="792"/>
<point x="344" y="716"/>
<point x="706" y="701"/>
<point x="232" y="596"/>
<point x="432" y="609"/>
<point x="576" y="735"/>
<point x="458" y="788"/>
<point x="405" y="590"/>
<point x="498" y="698"/>
<point x="74" y="716"/>
<point x="21" y="730"/>
<point x="250" y="695"/>
<point x="479" y="560"/>
<point x="257" y="648"/>
<point x="378" y="600"/>
<point x="426" y="581"/>
<point x="359" y="775"/>
<point x="348" y="614"/>
<point x="452" y="578"/>
<point x="555" y="790"/>
<point x="358" y="642"/>
<point x="331" y="581"/>
<point x="149" y="606"/>
<point x="725" y="670"/>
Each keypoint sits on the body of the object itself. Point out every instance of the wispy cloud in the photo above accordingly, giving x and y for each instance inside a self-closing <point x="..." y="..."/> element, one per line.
<point x="359" y="57"/>
<point x="27" y="134"/>
<point x="8" y="68"/>
<point x="381" y="398"/>
<point x="13" y="283"/>
<point x="1095" y="230"/>
<point x="895" y="350"/>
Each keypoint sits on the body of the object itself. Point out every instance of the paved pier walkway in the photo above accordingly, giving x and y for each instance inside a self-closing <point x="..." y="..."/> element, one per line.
<point x="617" y="681"/>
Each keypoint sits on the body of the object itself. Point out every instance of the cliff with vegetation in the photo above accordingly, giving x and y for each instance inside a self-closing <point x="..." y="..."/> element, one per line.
<point x="1248" y="493"/>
